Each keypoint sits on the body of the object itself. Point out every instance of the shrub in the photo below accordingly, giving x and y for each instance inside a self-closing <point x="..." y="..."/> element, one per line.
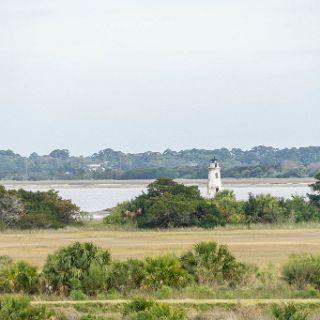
<point x="264" y="208"/>
<point x="77" y="295"/>
<point x="17" y="277"/>
<point x="126" y="274"/>
<point x="67" y="268"/>
<point x="45" y="210"/>
<point x="164" y="271"/>
<point x="213" y="264"/>
<point x="302" y="270"/>
<point x="163" y="293"/>
<point x="89" y="317"/>
<point x="142" y="309"/>
<point x="118" y="214"/>
<point x="288" y="312"/>
<point x="167" y="204"/>
<point x="12" y="308"/>
<point x="95" y="280"/>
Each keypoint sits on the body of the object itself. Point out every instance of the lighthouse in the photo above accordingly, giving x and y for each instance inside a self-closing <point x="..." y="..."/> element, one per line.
<point x="214" y="178"/>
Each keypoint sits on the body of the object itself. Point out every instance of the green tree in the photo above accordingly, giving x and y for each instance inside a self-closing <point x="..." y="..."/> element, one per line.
<point x="264" y="208"/>
<point x="45" y="210"/>
<point x="315" y="197"/>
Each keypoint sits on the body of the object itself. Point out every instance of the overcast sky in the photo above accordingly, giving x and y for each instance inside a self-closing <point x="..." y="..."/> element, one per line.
<point x="149" y="75"/>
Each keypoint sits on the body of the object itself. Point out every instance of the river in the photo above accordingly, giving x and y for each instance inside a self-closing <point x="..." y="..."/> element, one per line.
<point x="93" y="197"/>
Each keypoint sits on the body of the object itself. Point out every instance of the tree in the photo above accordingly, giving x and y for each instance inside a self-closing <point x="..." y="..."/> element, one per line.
<point x="11" y="208"/>
<point x="263" y="208"/>
<point x="166" y="185"/>
<point x="315" y="197"/>
<point x="60" y="154"/>
<point x="46" y="210"/>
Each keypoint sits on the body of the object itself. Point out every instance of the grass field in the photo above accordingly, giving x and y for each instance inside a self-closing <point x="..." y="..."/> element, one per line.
<point x="257" y="245"/>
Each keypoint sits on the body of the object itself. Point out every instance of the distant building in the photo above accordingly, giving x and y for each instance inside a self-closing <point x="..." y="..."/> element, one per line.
<point x="214" y="178"/>
<point x="96" y="167"/>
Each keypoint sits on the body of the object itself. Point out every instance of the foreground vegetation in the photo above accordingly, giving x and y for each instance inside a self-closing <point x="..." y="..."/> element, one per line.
<point x="170" y="204"/>
<point x="206" y="271"/>
<point x="258" y="162"/>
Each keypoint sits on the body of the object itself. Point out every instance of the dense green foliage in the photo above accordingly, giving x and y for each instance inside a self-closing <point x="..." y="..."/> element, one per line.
<point x="260" y="161"/>
<point x="302" y="270"/>
<point x="18" y="277"/>
<point x="75" y="267"/>
<point x="212" y="264"/>
<point x="142" y="309"/>
<point x="170" y="204"/>
<point x="288" y="312"/>
<point x="12" y="308"/>
<point x="203" y="270"/>
<point x="315" y="196"/>
<point x="27" y="209"/>
<point x="84" y="269"/>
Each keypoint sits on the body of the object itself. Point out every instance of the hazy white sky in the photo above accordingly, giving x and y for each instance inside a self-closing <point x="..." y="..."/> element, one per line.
<point x="147" y="75"/>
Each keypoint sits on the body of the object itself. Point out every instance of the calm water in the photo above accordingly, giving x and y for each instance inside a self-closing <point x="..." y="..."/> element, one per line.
<point x="95" y="199"/>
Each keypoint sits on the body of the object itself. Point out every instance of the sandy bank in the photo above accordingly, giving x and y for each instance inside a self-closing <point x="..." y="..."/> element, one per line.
<point x="142" y="183"/>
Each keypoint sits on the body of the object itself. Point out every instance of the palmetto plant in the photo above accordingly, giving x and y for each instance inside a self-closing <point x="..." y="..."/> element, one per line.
<point x="164" y="271"/>
<point x="12" y="308"/>
<point x="288" y="312"/>
<point x="210" y="263"/>
<point x="69" y="265"/>
<point x="18" y="277"/>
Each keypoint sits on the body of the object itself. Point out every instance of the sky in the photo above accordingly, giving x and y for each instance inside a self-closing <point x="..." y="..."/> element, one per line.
<point x="149" y="75"/>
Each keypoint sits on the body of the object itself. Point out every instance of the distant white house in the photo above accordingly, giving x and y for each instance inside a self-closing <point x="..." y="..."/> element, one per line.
<point x="96" y="167"/>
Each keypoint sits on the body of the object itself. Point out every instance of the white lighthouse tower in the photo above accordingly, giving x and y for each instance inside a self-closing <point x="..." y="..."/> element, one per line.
<point x="214" y="178"/>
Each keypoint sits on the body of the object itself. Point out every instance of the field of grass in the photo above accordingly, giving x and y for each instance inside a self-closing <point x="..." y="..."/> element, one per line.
<point x="259" y="245"/>
<point x="250" y="309"/>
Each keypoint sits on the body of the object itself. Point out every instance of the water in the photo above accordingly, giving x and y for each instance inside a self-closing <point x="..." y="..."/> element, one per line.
<point x="97" y="198"/>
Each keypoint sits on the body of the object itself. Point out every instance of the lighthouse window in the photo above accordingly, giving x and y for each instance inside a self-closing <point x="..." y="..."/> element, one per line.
<point x="217" y="175"/>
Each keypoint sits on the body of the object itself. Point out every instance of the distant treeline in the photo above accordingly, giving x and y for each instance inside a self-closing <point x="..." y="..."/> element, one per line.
<point x="259" y="162"/>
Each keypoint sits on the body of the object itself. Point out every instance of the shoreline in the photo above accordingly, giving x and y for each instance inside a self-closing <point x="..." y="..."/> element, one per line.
<point x="227" y="182"/>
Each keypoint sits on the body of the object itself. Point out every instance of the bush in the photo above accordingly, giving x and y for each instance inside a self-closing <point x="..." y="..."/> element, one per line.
<point x="77" y="295"/>
<point x="89" y="317"/>
<point x="45" y="210"/>
<point x="27" y="209"/>
<point x="264" y="208"/>
<point x="95" y="280"/>
<point x="213" y="264"/>
<point x="167" y="204"/>
<point x="124" y="275"/>
<point x="12" y="308"/>
<point x="164" y="271"/>
<point x="302" y="270"/>
<point x="18" y="277"/>
<point x="118" y="214"/>
<point x="142" y="309"/>
<point x="69" y="267"/>
<point x="288" y="312"/>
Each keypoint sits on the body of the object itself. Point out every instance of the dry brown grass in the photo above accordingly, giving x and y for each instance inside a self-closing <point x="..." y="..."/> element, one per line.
<point x="260" y="246"/>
